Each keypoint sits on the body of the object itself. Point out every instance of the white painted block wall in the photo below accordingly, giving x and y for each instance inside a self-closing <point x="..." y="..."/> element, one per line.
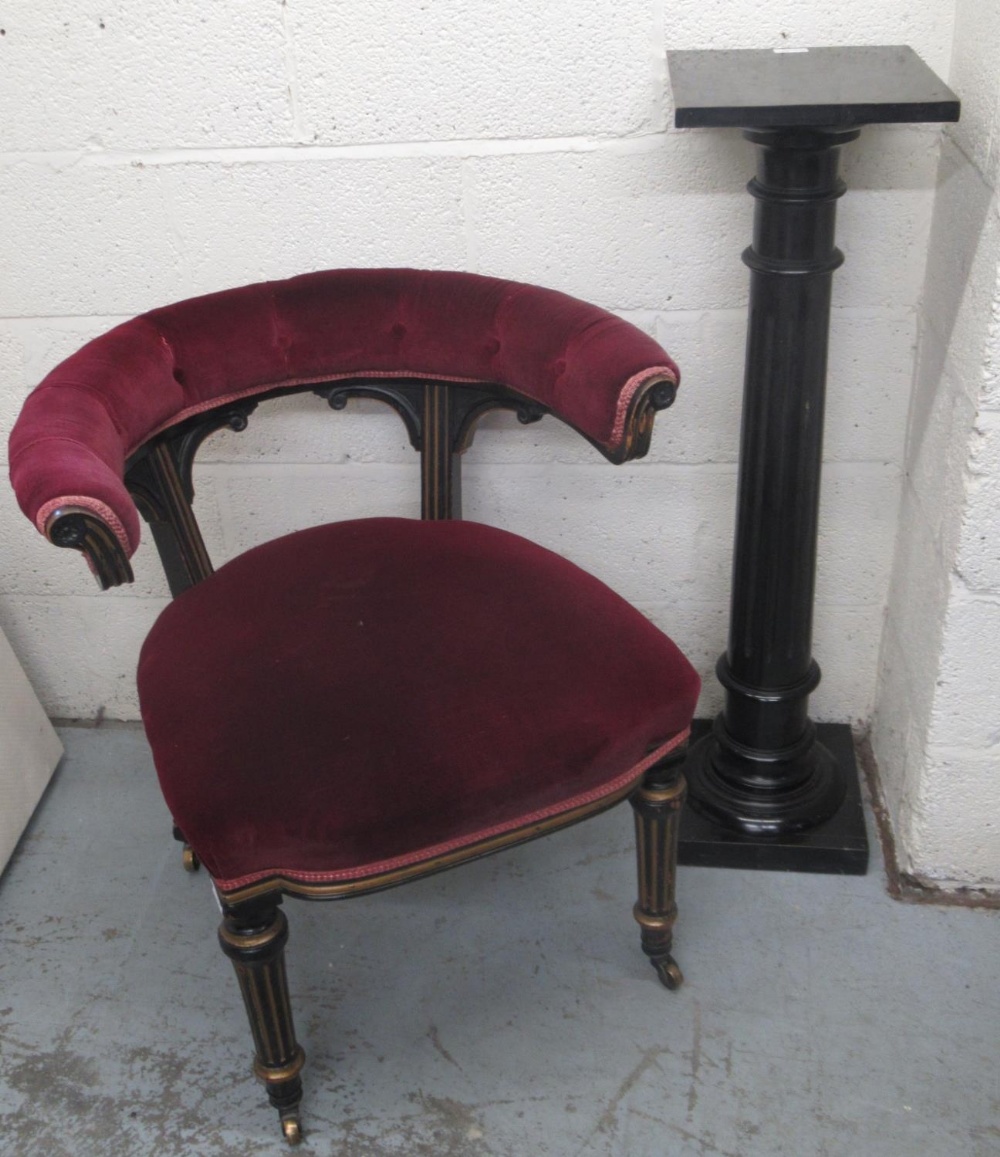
<point x="937" y="725"/>
<point x="159" y="151"/>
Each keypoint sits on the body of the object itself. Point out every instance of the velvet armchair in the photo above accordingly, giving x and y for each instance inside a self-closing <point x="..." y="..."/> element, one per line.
<point x="362" y="703"/>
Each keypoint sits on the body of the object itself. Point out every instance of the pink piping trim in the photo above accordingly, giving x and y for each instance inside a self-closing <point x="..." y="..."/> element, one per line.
<point x="382" y="866"/>
<point x="629" y="392"/>
<point x="101" y="509"/>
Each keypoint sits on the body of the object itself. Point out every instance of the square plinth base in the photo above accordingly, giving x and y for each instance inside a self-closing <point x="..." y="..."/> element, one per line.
<point x="837" y="847"/>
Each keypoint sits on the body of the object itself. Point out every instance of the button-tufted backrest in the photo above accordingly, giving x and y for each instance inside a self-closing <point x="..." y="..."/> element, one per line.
<point x="76" y="430"/>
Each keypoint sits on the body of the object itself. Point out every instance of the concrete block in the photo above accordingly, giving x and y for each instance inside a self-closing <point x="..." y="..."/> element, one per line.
<point x="456" y="70"/>
<point x="955" y="834"/>
<point x="974" y="78"/>
<point x="918" y="593"/>
<point x="978" y="561"/>
<point x="925" y="25"/>
<point x="940" y="427"/>
<point x="870" y="370"/>
<point x="858" y="511"/>
<point x="87" y="240"/>
<point x="143" y="75"/>
<point x="967" y="703"/>
<point x="12" y="386"/>
<point x="910" y="660"/>
<point x="884" y="235"/>
<point x="79" y="653"/>
<point x="660" y="228"/>
<point x="962" y="260"/>
<point x="889" y="157"/>
<point x="846" y="644"/>
<point x="250" y="222"/>
<point x="971" y="345"/>
<point x="990" y="396"/>
<point x="261" y="502"/>
<point x="903" y="703"/>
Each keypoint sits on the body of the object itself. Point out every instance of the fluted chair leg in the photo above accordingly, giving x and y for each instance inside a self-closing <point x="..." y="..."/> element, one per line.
<point x="657" y="804"/>
<point x="253" y="935"/>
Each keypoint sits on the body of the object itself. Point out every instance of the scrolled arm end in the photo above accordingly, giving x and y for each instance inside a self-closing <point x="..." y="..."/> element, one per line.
<point x="655" y="394"/>
<point x="77" y="528"/>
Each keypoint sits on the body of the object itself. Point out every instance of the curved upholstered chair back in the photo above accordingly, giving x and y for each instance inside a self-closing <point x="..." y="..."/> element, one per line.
<point x="90" y="421"/>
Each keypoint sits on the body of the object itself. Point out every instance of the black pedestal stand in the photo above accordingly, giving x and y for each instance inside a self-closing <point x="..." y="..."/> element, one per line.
<point x="768" y="788"/>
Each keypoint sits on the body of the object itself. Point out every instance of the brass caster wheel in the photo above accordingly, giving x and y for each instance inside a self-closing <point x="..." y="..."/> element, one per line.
<point x="292" y="1130"/>
<point x="668" y="970"/>
<point x="189" y="859"/>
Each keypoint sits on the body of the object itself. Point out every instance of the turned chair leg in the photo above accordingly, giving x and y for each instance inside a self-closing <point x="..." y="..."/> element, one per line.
<point x="253" y="935"/>
<point x="657" y="804"/>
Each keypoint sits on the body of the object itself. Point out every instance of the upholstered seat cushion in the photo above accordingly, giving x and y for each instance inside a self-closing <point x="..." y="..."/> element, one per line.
<point x="368" y="694"/>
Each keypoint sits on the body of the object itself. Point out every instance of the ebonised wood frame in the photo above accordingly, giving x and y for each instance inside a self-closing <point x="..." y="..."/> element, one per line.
<point x="440" y="418"/>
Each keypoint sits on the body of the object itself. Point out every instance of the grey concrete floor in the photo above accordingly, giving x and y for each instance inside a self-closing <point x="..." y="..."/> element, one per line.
<point x="500" y="1009"/>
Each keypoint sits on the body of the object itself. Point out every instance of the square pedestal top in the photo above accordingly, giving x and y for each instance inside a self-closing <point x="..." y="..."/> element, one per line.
<point x="819" y="87"/>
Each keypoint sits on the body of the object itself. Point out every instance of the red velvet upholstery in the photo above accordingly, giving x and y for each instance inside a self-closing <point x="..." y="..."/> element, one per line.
<point x="368" y="701"/>
<point x="78" y="427"/>
<point x="360" y="695"/>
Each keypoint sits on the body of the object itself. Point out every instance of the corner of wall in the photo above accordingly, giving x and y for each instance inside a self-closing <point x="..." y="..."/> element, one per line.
<point x="934" y="731"/>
